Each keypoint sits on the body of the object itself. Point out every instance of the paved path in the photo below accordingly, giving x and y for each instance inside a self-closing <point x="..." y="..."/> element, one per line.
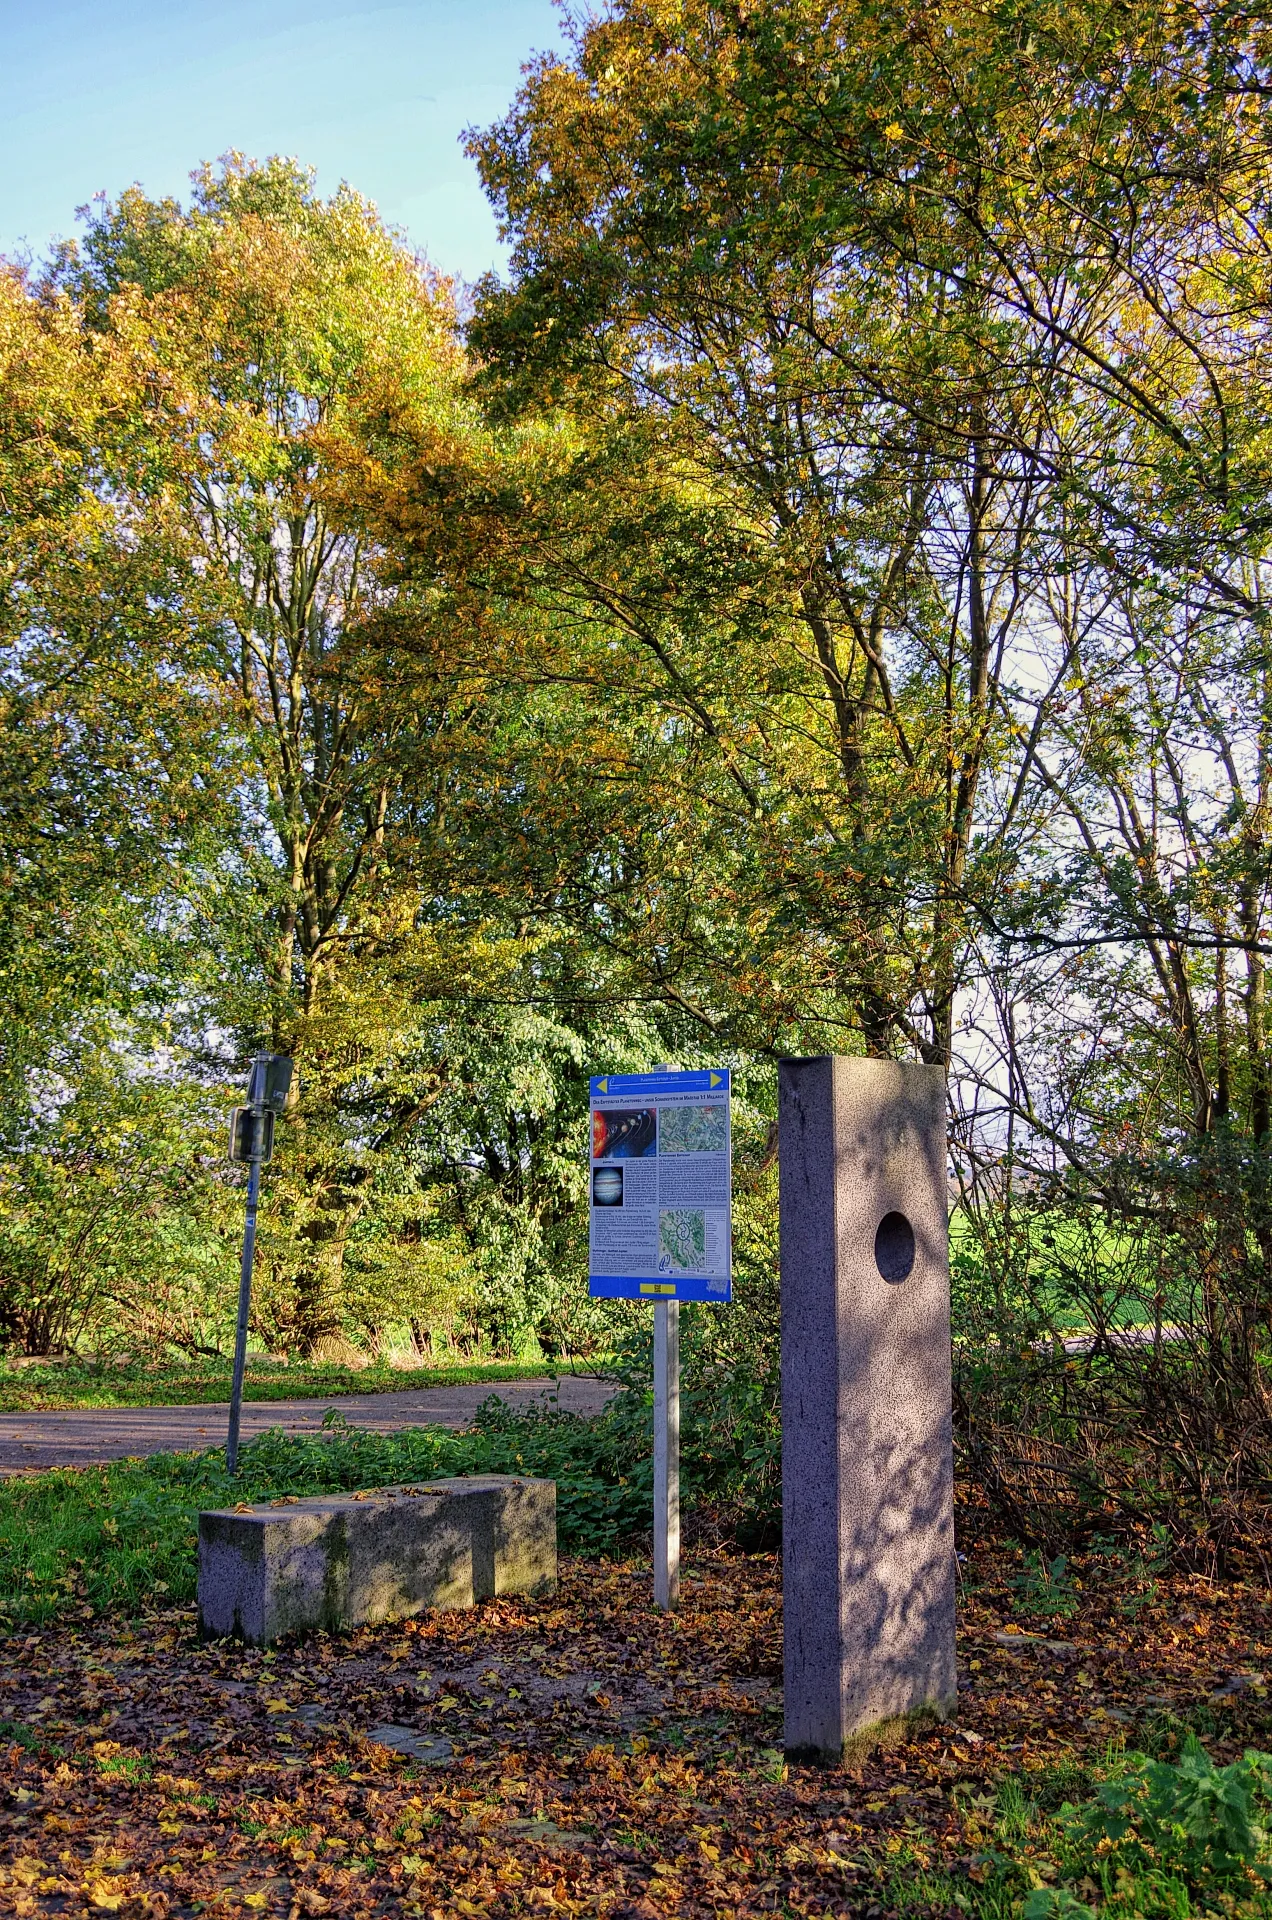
<point x="78" y="1437"/>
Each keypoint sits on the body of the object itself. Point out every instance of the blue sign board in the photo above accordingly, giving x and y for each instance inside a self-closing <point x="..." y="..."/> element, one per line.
<point x="661" y="1187"/>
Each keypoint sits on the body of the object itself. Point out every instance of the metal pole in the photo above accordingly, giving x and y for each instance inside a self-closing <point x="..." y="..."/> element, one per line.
<point x="245" y="1293"/>
<point x="666" y="1454"/>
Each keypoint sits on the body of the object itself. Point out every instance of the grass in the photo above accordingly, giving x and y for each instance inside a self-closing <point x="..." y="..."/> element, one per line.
<point x="1134" y="1838"/>
<point x="123" y="1535"/>
<point x="102" y="1382"/>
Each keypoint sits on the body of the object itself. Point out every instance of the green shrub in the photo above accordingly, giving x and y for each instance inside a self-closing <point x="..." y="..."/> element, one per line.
<point x="1203" y="1824"/>
<point x="1157" y="1842"/>
<point x="1044" y="1588"/>
<point x="730" y="1406"/>
<point x="124" y="1535"/>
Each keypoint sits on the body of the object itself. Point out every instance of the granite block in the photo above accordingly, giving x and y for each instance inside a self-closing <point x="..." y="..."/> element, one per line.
<point x="867" y="1455"/>
<point x="344" y="1560"/>
<point x="514" y="1531"/>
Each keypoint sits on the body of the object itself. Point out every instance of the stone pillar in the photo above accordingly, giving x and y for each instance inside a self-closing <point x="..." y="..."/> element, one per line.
<point x="867" y="1456"/>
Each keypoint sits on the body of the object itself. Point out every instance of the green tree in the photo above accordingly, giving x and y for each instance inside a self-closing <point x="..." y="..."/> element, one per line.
<point x="105" y="786"/>
<point x="782" y="557"/>
<point x="113" y="1225"/>
<point x="272" y="322"/>
<point x="281" y="336"/>
<point x="872" y="330"/>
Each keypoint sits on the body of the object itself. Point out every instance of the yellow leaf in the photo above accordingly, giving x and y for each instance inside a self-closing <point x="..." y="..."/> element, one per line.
<point x="255" y="1899"/>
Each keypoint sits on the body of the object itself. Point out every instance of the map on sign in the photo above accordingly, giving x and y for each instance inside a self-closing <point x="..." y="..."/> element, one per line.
<point x="661" y="1186"/>
<point x="694" y="1130"/>
<point x="682" y="1237"/>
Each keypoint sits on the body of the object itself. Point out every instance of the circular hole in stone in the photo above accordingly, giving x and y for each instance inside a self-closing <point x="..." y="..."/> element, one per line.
<point x="894" y="1247"/>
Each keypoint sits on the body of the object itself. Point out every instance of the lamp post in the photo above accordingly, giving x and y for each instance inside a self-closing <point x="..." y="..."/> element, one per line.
<point x="252" y="1141"/>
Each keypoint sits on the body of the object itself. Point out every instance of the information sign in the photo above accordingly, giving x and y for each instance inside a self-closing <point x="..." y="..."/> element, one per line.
<point x="661" y="1187"/>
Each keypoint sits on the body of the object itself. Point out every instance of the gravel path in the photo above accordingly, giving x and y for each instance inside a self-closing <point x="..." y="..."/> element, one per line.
<point x="77" y="1437"/>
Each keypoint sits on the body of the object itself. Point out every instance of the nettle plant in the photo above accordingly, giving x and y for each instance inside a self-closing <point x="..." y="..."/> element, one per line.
<point x="1159" y="1837"/>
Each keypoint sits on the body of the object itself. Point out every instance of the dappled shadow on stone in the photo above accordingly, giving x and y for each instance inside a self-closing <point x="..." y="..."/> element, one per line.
<point x="867" y="1454"/>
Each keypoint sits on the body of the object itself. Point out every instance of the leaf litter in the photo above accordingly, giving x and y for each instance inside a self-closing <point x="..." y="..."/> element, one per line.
<point x="577" y="1755"/>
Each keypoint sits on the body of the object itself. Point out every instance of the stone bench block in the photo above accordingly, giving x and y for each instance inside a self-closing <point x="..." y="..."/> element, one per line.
<point x="513" y="1524"/>
<point x="354" y="1559"/>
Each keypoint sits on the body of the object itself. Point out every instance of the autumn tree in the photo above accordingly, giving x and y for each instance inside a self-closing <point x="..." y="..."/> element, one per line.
<point x="899" y="354"/>
<point x="271" y="336"/>
<point x="802" y="507"/>
<point x="105" y="778"/>
<point x="902" y="545"/>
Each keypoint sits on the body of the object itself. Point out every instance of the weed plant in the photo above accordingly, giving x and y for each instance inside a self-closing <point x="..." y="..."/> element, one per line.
<point x="1044" y="1588"/>
<point x="1147" y="1841"/>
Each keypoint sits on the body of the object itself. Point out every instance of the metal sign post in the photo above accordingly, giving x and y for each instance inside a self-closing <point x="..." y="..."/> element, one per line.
<point x="666" y="1454"/>
<point x="252" y="1139"/>
<point x="244" y="1303"/>
<point x="660" y="1230"/>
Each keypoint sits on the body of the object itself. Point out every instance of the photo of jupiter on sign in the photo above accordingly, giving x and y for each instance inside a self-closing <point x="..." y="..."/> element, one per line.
<point x="607" y="1186"/>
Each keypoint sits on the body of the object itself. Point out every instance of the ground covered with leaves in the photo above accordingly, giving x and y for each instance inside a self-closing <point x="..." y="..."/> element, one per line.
<point x="583" y="1754"/>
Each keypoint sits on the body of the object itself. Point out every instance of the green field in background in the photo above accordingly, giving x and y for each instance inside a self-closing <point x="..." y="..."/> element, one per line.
<point x="66" y="1384"/>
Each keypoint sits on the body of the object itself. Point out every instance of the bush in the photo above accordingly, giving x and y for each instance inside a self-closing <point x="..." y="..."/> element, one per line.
<point x="1148" y="1842"/>
<point x="730" y="1366"/>
<point x="110" y="1220"/>
<point x="120" y="1536"/>
<point x="1112" y="1344"/>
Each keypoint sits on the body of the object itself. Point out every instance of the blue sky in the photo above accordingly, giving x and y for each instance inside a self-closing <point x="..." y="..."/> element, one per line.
<point x="95" y="96"/>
